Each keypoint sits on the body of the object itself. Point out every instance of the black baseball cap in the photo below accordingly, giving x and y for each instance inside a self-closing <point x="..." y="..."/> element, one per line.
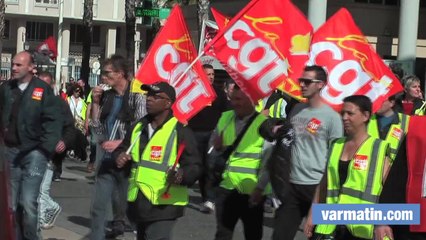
<point x="161" y="87"/>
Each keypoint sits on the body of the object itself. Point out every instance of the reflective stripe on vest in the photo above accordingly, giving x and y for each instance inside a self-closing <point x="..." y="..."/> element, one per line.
<point x="244" y="163"/>
<point x="274" y="109"/>
<point x="148" y="173"/>
<point x="395" y="135"/>
<point x="164" y="165"/>
<point x="363" y="184"/>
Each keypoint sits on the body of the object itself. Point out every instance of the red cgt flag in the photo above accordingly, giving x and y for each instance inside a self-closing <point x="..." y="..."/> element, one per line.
<point x="48" y="48"/>
<point x="221" y="20"/>
<point x="265" y="46"/>
<point x="353" y="66"/>
<point x="169" y="56"/>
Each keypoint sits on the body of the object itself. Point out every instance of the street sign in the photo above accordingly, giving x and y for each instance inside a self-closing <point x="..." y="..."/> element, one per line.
<point x="164" y="13"/>
<point x="161" y="13"/>
<point x="147" y="12"/>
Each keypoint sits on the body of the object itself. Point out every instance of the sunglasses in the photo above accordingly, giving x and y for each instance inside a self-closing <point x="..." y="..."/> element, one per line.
<point x="156" y="96"/>
<point x="104" y="72"/>
<point x="308" y="81"/>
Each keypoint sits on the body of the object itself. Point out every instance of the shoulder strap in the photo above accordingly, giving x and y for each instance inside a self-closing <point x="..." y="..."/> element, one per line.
<point x="237" y="141"/>
<point x="275" y="96"/>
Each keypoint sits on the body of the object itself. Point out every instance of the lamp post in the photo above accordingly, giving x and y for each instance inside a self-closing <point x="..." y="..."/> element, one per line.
<point x="59" y="47"/>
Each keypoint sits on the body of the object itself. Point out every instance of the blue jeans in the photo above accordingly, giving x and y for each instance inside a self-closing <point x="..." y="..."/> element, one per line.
<point x="110" y="190"/>
<point x="46" y="202"/>
<point x="26" y="174"/>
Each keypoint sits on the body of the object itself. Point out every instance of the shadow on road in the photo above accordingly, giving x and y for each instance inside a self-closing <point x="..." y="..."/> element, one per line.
<point x="82" y="221"/>
<point x="78" y="168"/>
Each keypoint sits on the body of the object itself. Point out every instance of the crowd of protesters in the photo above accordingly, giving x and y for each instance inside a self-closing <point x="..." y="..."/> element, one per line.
<point x="244" y="155"/>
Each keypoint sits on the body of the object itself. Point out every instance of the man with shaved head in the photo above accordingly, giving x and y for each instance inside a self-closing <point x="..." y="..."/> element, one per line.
<point x="32" y="124"/>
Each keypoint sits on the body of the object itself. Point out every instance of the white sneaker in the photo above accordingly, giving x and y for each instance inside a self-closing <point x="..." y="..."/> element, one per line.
<point x="207" y="207"/>
<point x="50" y="217"/>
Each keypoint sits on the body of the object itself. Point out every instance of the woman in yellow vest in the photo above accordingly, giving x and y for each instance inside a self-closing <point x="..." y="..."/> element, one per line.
<point x="357" y="167"/>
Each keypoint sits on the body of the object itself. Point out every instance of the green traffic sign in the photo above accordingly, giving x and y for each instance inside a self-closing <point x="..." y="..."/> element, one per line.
<point x="162" y="13"/>
<point x="147" y="12"/>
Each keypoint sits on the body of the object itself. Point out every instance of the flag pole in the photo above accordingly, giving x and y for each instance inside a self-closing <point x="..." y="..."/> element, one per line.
<point x="190" y="66"/>
<point x="202" y="37"/>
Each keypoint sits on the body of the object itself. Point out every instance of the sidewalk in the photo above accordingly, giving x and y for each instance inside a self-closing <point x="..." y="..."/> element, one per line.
<point x="59" y="233"/>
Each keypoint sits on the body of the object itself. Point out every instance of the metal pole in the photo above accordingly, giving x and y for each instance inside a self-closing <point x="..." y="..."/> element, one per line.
<point x="59" y="47"/>
<point x="202" y="37"/>
<point x="137" y="50"/>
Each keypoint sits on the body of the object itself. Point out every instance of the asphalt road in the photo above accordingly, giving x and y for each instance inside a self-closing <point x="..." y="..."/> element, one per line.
<point x="73" y="193"/>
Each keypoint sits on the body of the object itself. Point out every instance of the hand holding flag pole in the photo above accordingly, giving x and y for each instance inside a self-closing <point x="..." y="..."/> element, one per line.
<point x="133" y="144"/>
<point x="166" y="194"/>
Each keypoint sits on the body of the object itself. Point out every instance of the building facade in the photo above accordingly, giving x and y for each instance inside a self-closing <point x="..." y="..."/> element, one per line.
<point x="30" y="22"/>
<point x="394" y="28"/>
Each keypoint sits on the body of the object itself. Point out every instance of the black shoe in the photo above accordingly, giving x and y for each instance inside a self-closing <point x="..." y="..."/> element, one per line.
<point x="56" y="179"/>
<point x="113" y="234"/>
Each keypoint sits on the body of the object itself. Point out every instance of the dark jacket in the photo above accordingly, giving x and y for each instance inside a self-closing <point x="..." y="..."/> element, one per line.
<point x="417" y="103"/>
<point x="206" y="120"/>
<point x="39" y="123"/>
<point x="278" y="163"/>
<point x="68" y="129"/>
<point x="142" y="210"/>
<point x="126" y="113"/>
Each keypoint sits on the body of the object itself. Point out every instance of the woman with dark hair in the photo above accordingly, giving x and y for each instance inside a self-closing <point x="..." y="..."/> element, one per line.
<point x="77" y="106"/>
<point x="357" y="167"/>
<point x="411" y="101"/>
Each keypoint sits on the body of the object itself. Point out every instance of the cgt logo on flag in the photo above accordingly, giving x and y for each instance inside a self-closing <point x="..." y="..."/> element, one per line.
<point x="264" y="47"/>
<point x="168" y="58"/>
<point x="37" y="94"/>
<point x="354" y="68"/>
<point x="360" y="162"/>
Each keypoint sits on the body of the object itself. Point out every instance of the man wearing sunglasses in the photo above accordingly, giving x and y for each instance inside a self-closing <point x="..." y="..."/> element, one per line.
<point x="315" y="125"/>
<point x="164" y="161"/>
<point x="113" y="111"/>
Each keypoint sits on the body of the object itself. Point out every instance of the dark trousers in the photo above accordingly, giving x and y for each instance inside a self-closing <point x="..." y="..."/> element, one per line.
<point x="93" y="141"/>
<point x="80" y="144"/>
<point x="57" y="160"/>
<point x="158" y="230"/>
<point x="291" y="212"/>
<point x="202" y="145"/>
<point x="231" y="206"/>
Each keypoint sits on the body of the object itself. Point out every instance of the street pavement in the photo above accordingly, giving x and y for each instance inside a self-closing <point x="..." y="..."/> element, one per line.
<point x="74" y="192"/>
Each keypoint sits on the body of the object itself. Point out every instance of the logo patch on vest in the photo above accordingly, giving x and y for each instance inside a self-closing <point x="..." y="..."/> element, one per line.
<point x="360" y="162"/>
<point x="397" y="133"/>
<point x="156" y="153"/>
<point x="37" y="94"/>
<point x="313" y="125"/>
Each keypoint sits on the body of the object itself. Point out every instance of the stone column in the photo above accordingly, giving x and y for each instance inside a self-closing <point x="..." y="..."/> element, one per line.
<point x="65" y="51"/>
<point x="317" y="12"/>
<point x="408" y="27"/>
<point x="110" y="43"/>
<point x="20" y="36"/>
